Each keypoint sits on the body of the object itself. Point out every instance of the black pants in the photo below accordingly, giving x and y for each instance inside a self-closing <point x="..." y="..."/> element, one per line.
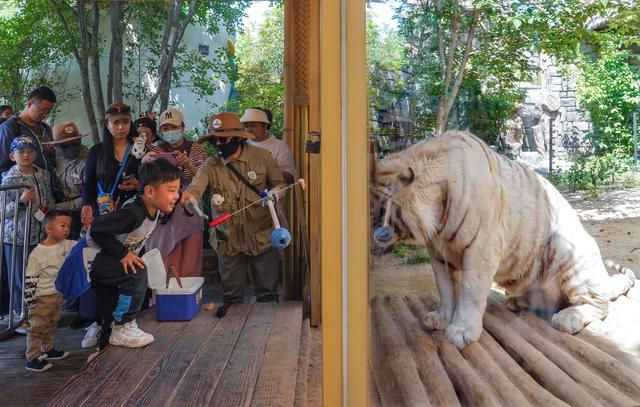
<point x="119" y="296"/>
<point x="234" y="274"/>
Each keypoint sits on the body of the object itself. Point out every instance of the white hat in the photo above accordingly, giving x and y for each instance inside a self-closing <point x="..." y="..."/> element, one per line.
<point x="171" y="116"/>
<point x="254" y="115"/>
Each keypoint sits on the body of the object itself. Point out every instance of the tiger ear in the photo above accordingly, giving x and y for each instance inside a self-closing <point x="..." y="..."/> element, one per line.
<point x="406" y="177"/>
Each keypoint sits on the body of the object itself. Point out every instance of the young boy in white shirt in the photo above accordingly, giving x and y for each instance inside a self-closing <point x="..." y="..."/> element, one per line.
<point x="42" y="299"/>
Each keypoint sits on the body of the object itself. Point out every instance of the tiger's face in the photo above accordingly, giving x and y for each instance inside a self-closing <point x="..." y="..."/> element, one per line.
<point x="386" y="213"/>
<point x="409" y="199"/>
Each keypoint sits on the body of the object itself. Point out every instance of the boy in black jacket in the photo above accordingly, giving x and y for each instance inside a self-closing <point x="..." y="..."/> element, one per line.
<point x="120" y="237"/>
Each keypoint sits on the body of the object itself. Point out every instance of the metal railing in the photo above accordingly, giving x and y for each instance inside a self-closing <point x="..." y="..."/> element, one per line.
<point x="14" y="319"/>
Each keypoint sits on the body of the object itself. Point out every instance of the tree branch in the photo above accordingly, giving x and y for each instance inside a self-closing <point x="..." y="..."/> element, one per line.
<point x="455" y="32"/>
<point x="74" y="49"/>
<point x="463" y="62"/>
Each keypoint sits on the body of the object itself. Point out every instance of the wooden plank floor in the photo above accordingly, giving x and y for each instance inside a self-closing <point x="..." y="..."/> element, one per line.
<point x="259" y="354"/>
<point x="520" y="359"/>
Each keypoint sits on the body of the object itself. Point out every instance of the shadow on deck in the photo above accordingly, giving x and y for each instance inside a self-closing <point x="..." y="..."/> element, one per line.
<point x="259" y="354"/>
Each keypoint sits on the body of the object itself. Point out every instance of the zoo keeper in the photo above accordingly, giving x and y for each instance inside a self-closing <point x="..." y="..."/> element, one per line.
<point x="238" y="175"/>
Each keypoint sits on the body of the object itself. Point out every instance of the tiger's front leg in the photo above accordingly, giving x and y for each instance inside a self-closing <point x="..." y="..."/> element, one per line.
<point x="446" y="288"/>
<point x="466" y="325"/>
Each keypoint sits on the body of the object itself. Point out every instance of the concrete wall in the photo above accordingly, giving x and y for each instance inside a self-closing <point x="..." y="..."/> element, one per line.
<point x="71" y="108"/>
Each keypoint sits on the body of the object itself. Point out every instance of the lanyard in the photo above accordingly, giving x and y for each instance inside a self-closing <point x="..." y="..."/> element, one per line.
<point x="120" y="170"/>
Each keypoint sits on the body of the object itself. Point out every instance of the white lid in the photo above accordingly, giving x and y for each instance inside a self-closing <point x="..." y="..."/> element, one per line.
<point x="156" y="273"/>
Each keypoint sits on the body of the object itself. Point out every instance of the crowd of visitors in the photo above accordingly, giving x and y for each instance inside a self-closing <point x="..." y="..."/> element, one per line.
<point x="132" y="192"/>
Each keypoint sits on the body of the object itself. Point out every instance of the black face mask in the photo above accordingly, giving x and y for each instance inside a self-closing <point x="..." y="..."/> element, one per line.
<point x="70" y="152"/>
<point x="227" y="150"/>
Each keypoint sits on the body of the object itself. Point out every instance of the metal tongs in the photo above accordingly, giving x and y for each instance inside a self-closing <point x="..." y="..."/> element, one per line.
<point x="172" y="273"/>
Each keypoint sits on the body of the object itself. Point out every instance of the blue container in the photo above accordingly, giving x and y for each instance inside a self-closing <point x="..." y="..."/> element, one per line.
<point x="179" y="304"/>
<point x="173" y="303"/>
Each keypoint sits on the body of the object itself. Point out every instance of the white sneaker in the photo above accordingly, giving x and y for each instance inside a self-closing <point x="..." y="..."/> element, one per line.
<point x="129" y="335"/>
<point x="91" y="337"/>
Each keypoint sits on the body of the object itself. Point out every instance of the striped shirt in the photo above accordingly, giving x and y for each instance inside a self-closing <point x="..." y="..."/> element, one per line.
<point x="195" y="152"/>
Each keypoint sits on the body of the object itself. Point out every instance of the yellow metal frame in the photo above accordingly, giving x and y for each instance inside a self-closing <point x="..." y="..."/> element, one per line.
<point x="344" y="202"/>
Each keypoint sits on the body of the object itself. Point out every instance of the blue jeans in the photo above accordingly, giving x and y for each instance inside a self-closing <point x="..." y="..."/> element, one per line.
<point x="18" y="271"/>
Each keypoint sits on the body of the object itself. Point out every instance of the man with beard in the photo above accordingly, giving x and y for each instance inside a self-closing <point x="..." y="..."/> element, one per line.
<point x="71" y="157"/>
<point x="238" y="175"/>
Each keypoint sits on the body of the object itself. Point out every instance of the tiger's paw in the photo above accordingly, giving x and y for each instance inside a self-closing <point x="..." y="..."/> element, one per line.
<point x="435" y="320"/>
<point x="569" y="320"/>
<point x="517" y="303"/>
<point x="460" y="336"/>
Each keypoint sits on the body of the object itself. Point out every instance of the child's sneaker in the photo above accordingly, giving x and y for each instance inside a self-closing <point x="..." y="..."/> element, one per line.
<point x="91" y="337"/>
<point x="39" y="364"/>
<point x="129" y="335"/>
<point x="56" y="354"/>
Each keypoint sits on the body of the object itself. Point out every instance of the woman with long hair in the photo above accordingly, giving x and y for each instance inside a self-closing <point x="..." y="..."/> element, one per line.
<point x="110" y="180"/>
<point x="110" y="177"/>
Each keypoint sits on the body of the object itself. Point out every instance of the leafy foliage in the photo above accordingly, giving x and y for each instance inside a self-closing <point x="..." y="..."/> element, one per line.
<point x="31" y="48"/>
<point x="260" y="61"/>
<point x="596" y="172"/>
<point x="610" y="89"/>
<point x="507" y="34"/>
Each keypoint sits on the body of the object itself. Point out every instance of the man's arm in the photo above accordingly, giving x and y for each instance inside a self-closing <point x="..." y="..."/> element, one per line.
<point x="286" y="163"/>
<point x="199" y="183"/>
<point x="7" y="134"/>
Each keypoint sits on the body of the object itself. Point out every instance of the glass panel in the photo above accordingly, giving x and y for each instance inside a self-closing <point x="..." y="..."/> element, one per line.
<point x="502" y="140"/>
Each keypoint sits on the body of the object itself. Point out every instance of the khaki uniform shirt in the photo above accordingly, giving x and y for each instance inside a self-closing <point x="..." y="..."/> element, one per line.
<point x="71" y="176"/>
<point x="248" y="231"/>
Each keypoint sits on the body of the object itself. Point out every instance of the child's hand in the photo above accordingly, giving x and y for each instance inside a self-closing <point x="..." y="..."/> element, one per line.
<point x="28" y="195"/>
<point x="131" y="261"/>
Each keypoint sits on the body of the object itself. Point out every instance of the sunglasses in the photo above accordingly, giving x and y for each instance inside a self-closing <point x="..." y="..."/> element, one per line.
<point x="119" y="110"/>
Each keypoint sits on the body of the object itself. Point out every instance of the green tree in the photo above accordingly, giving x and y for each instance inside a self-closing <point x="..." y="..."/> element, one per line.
<point x="260" y="60"/>
<point x="609" y="88"/>
<point x="461" y="48"/>
<point x="29" y="51"/>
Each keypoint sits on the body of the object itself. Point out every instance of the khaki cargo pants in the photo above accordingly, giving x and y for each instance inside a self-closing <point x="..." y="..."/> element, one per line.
<point x="43" y="319"/>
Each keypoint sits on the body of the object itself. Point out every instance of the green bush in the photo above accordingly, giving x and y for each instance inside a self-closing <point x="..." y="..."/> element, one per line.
<point x="609" y="89"/>
<point x="595" y="173"/>
<point x="410" y="254"/>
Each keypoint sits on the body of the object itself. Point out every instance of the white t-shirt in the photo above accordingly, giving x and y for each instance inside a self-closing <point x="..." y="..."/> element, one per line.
<point x="280" y="152"/>
<point x="42" y="268"/>
<point x="283" y="156"/>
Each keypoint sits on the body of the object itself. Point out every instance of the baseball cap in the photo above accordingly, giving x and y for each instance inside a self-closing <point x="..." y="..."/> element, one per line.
<point x="171" y="116"/>
<point x="23" y="142"/>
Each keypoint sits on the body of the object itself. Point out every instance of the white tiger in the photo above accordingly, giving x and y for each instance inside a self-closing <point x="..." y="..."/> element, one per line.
<point x="484" y="218"/>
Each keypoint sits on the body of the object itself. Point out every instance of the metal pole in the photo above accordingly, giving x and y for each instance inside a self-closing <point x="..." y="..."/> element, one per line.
<point x="550" y="144"/>
<point x="635" y="138"/>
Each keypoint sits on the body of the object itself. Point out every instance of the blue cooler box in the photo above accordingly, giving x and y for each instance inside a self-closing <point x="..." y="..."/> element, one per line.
<point x="172" y="303"/>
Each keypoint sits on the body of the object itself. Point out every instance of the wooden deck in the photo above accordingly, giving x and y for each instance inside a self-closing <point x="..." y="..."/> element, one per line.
<point x="260" y="354"/>
<point x="520" y="360"/>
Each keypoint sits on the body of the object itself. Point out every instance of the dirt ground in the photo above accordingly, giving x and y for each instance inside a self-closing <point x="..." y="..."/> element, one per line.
<point x="613" y="219"/>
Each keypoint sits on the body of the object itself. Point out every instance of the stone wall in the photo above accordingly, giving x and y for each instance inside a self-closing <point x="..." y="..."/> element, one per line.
<point x="571" y="122"/>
